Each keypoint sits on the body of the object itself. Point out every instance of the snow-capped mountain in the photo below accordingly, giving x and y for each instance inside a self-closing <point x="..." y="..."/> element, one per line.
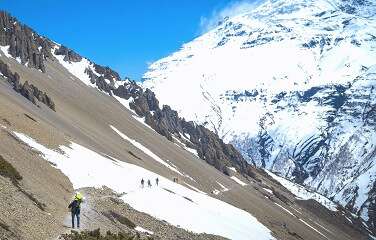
<point x="292" y="85"/>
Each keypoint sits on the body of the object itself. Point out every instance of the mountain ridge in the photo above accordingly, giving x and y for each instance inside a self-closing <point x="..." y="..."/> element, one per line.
<point x="28" y="46"/>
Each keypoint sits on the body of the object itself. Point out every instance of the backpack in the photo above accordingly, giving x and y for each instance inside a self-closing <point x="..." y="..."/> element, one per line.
<point x="74" y="206"/>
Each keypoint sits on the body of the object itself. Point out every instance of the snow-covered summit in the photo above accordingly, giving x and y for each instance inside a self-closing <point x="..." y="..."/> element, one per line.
<point x="279" y="46"/>
<point x="291" y="84"/>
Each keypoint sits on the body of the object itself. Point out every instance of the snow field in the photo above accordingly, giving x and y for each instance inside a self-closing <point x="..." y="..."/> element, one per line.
<point x="303" y="193"/>
<point x="174" y="203"/>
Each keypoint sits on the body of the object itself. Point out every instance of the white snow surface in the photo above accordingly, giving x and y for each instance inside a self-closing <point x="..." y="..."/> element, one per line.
<point x="146" y="151"/>
<point x="302" y="192"/>
<point x="5" y="50"/>
<point x="182" y="145"/>
<point x="141" y="229"/>
<point x="86" y="168"/>
<point x="77" y="68"/>
<point x="261" y="50"/>
<point x="223" y="188"/>
<point x="125" y="103"/>
<point x="268" y="190"/>
<point x="237" y="180"/>
<point x="313" y="228"/>
<point x="286" y="210"/>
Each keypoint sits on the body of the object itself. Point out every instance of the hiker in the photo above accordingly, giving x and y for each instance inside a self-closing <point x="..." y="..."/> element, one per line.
<point x="156" y="181"/>
<point x="142" y="183"/>
<point x="75" y="207"/>
<point x="149" y="183"/>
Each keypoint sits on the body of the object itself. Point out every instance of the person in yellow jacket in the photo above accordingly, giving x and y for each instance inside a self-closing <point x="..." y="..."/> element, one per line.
<point x="75" y="207"/>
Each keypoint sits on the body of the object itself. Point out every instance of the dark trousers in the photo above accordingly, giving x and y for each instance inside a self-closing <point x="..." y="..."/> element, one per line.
<point x="77" y="214"/>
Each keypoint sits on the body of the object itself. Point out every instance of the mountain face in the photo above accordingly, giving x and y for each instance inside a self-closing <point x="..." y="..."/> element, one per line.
<point x="291" y="84"/>
<point x="74" y="125"/>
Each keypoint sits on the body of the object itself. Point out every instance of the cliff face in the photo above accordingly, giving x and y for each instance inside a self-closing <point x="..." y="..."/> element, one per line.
<point x="25" y="45"/>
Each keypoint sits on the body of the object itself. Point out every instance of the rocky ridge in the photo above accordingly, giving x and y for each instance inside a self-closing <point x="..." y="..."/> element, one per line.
<point x="24" y="44"/>
<point x="29" y="91"/>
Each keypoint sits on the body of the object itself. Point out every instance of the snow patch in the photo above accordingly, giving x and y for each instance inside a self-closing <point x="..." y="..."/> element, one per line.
<point x="140" y="229"/>
<point x="286" y="210"/>
<point x="302" y="193"/>
<point x="76" y="68"/>
<point x="125" y="103"/>
<point x="313" y="228"/>
<point x="5" y="50"/>
<point x="182" y="145"/>
<point x="223" y="188"/>
<point x="216" y="192"/>
<point x="146" y="151"/>
<point x="268" y="190"/>
<point x="237" y="180"/>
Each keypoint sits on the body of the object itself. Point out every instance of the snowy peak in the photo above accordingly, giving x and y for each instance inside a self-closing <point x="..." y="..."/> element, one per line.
<point x="291" y="85"/>
<point x="272" y="55"/>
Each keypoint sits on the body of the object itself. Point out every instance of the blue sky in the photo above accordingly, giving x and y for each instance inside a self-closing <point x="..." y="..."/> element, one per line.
<point x="123" y="34"/>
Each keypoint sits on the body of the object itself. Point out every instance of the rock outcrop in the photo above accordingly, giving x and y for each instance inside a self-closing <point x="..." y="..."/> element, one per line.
<point x="29" y="91"/>
<point x="168" y="123"/>
<point x="107" y="72"/>
<point x="99" y="81"/>
<point x="25" y="45"/>
<point x="69" y="55"/>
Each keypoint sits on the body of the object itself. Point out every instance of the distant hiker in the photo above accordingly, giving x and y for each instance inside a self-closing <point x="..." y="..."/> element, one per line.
<point x="75" y="207"/>
<point x="175" y="180"/>
<point x="149" y="183"/>
<point x="142" y="183"/>
<point x="156" y="181"/>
